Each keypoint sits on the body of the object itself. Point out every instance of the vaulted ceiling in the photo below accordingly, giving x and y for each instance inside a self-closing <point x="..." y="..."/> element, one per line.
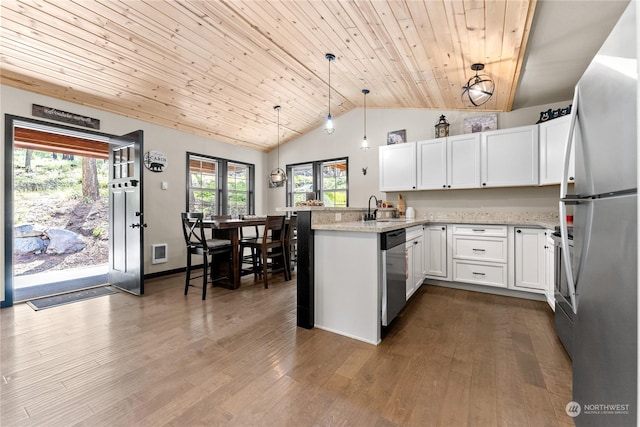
<point x="217" y="68"/>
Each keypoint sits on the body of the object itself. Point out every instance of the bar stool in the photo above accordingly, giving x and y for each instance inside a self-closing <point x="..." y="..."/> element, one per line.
<point x="198" y="244"/>
<point x="270" y="246"/>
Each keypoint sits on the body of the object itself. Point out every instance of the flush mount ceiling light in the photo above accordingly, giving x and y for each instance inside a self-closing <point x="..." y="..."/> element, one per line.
<point x="329" y="125"/>
<point x="479" y="88"/>
<point x="278" y="176"/>
<point x="365" y="144"/>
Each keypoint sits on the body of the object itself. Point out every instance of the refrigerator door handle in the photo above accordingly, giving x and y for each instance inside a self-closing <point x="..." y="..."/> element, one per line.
<point x="564" y="184"/>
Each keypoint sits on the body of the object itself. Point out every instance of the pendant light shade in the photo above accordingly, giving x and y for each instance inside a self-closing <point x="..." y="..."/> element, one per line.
<point x="278" y="176"/>
<point x="365" y="144"/>
<point x="479" y="88"/>
<point x="329" y="125"/>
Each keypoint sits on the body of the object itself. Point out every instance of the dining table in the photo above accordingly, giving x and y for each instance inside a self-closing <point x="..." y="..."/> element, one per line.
<point x="230" y="229"/>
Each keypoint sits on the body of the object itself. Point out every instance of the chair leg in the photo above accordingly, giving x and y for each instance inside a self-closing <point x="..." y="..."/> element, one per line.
<point x="287" y="268"/>
<point x="186" y="284"/>
<point x="205" y="276"/>
<point x="265" y="275"/>
<point x="257" y="264"/>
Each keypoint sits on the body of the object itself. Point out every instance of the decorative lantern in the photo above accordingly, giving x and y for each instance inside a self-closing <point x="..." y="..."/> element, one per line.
<point x="442" y="127"/>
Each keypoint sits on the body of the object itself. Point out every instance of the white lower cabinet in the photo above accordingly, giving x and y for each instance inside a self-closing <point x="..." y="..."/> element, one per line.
<point x="436" y="253"/>
<point x="529" y="261"/>
<point x="549" y="269"/>
<point x="481" y="273"/>
<point x="480" y="254"/>
<point x="414" y="260"/>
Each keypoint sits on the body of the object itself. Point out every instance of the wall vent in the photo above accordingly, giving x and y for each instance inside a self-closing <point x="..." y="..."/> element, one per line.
<point x="159" y="253"/>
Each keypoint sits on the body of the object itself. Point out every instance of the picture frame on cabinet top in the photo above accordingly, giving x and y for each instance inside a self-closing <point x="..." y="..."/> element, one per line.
<point x="481" y="123"/>
<point x="397" y="137"/>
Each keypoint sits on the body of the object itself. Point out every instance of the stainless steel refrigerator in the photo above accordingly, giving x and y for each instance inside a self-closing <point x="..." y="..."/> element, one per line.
<point x="604" y="265"/>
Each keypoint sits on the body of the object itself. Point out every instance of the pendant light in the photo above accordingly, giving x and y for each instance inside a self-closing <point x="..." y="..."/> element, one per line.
<point x="364" y="146"/>
<point x="278" y="176"/>
<point x="479" y="88"/>
<point x="329" y="125"/>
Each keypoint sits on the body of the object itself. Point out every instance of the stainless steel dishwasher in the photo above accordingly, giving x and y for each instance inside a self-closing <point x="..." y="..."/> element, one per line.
<point x="393" y="274"/>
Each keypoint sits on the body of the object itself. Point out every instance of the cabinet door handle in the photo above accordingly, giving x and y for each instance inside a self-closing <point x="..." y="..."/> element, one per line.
<point x="571" y="178"/>
<point x="518" y="231"/>
<point x="478" y="274"/>
<point x="415" y="243"/>
<point x="478" y="250"/>
<point x="443" y="228"/>
<point x="444" y="186"/>
<point x="478" y="230"/>
<point x="484" y="184"/>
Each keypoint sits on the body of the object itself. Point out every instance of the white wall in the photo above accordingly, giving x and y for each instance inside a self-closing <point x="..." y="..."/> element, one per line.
<point x="161" y="207"/>
<point x="419" y="124"/>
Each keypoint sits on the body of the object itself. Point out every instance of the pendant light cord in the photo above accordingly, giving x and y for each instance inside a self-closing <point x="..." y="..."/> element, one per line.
<point x="277" y="108"/>
<point x="330" y="86"/>
<point x="365" y="112"/>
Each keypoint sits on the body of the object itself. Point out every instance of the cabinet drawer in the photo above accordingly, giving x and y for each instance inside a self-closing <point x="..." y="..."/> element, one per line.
<point x="481" y="274"/>
<point x="481" y="230"/>
<point x="480" y="248"/>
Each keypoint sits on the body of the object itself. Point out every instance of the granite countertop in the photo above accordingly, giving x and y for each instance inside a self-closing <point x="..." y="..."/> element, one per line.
<point x="534" y="219"/>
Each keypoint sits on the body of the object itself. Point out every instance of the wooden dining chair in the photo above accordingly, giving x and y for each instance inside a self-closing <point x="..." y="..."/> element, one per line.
<point x="270" y="246"/>
<point x="248" y="234"/>
<point x="291" y="241"/>
<point x="198" y="244"/>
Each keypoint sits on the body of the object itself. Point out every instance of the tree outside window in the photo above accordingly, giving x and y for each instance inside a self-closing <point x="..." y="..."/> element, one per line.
<point x="326" y="180"/>
<point x="219" y="186"/>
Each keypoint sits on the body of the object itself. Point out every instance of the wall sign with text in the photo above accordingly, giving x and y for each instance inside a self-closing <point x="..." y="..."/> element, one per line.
<point x="155" y="161"/>
<point x="64" y="116"/>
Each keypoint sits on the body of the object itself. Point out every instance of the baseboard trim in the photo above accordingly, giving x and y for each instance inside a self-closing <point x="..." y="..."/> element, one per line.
<point x="165" y="273"/>
<point x="488" y="290"/>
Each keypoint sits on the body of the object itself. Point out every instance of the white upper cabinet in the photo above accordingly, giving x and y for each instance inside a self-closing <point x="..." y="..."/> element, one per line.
<point x="432" y="164"/>
<point x="463" y="161"/>
<point x="452" y="162"/>
<point x="398" y="167"/>
<point x="509" y="157"/>
<point x="553" y="139"/>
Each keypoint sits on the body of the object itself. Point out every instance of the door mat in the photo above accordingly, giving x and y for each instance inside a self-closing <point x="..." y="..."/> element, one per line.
<point x="68" y="298"/>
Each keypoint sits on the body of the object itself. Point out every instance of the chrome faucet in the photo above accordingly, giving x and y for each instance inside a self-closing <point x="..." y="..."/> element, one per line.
<point x="370" y="216"/>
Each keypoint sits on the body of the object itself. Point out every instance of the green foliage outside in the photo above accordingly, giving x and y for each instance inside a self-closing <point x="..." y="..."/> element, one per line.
<point x="49" y="175"/>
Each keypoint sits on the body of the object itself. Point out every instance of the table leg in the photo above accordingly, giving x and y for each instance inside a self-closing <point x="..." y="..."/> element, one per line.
<point x="236" y="257"/>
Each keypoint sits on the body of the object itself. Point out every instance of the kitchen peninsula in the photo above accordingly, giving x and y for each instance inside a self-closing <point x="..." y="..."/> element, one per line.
<point x="340" y="269"/>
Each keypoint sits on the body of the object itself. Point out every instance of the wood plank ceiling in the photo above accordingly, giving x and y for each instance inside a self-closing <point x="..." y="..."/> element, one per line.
<point x="217" y="68"/>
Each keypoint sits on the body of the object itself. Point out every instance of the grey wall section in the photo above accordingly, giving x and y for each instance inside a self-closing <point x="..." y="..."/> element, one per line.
<point x="419" y="124"/>
<point x="162" y="207"/>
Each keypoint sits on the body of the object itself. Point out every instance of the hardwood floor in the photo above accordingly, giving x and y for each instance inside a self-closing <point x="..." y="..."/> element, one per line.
<point x="453" y="358"/>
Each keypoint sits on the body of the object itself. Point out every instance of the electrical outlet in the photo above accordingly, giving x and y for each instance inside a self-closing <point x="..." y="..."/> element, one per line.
<point x="338" y="217"/>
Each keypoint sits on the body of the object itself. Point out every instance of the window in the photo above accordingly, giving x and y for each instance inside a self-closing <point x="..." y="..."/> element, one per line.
<point x="237" y="189"/>
<point x="301" y="179"/>
<point x="326" y="180"/>
<point x="333" y="187"/>
<point x="219" y="187"/>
